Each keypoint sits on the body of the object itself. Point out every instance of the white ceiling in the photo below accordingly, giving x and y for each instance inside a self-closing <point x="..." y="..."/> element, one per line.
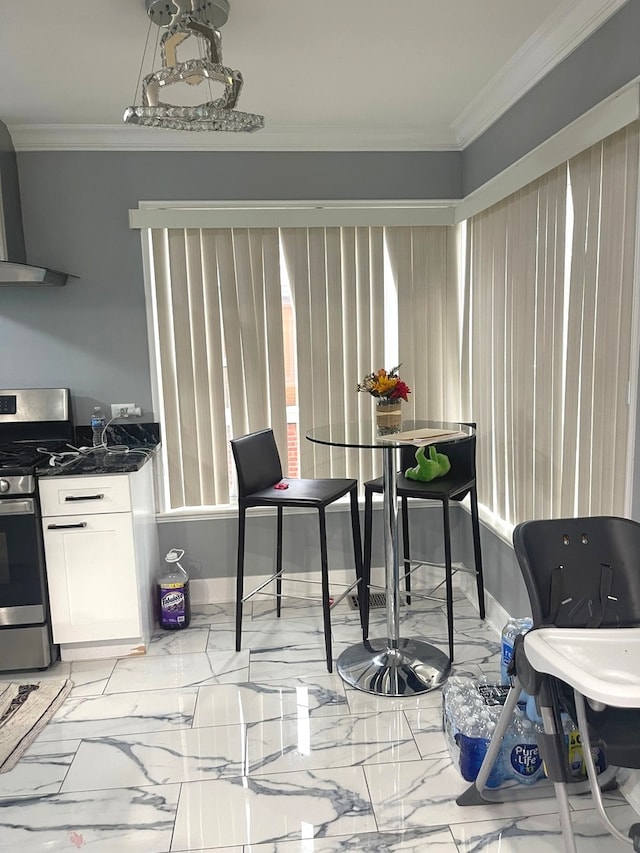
<point x="326" y="74"/>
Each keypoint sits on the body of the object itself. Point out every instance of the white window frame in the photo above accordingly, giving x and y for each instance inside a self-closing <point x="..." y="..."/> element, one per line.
<point x="180" y="214"/>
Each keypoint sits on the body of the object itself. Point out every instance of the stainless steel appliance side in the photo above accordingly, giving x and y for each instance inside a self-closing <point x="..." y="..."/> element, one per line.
<point x="37" y="404"/>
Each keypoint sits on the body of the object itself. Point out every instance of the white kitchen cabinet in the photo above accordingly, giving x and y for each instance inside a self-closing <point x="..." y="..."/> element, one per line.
<point x="101" y="554"/>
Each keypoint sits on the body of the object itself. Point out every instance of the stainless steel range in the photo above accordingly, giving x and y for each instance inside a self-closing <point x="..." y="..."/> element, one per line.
<point x="34" y="423"/>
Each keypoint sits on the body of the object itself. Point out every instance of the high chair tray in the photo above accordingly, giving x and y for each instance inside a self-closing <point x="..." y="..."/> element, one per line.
<point x="601" y="663"/>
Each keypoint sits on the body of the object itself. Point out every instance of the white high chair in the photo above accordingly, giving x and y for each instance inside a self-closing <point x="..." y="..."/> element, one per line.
<point x="582" y="656"/>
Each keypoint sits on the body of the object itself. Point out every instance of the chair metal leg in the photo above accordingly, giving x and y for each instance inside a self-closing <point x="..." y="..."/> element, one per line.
<point x="279" y="564"/>
<point x="406" y="548"/>
<point x="325" y="589"/>
<point x="551" y="728"/>
<point x="357" y="548"/>
<point x="366" y="563"/>
<point x="592" y="773"/>
<point x="240" y="575"/>
<point x="449" y="572"/>
<point x="477" y="551"/>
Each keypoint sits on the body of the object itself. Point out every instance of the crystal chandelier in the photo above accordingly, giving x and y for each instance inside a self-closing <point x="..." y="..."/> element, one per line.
<point x="192" y="21"/>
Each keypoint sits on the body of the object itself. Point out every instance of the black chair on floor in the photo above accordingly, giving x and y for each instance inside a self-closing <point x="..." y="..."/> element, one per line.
<point x="583" y="577"/>
<point x="459" y="482"/>
<point x="259" y="471"/>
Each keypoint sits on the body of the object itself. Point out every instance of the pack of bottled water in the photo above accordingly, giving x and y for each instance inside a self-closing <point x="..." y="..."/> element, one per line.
<point x="471" y="710"/>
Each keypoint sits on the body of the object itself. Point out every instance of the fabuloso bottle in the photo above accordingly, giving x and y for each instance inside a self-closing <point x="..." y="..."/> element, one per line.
<point x="173" y="593"/>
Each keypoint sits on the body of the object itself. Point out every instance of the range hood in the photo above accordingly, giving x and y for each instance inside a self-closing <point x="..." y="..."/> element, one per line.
<point x="15" y="271"/>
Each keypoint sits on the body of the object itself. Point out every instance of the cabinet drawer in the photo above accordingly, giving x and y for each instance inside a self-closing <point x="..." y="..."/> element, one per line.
<point x="84" y="495"/>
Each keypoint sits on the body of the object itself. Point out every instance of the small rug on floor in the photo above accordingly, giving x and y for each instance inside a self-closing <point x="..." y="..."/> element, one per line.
<point x="25" y="709"/>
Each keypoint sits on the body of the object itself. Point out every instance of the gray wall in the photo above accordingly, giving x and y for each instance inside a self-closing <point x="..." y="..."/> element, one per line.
<point x="598" y="68"/>
<point x="210" y="547"/>
<point x="91" y="335"/>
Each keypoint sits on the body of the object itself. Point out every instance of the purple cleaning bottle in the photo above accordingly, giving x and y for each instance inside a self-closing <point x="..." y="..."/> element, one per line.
<point x="173" y="593"/>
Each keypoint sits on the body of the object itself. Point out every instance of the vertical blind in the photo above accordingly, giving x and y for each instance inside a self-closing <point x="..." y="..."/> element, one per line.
<point x="220" y="339"/>
<point x="219" y="323"/>
<point x="547" y="337"/>
<point x="424" y="263"/>
<point x="337" y="286"/>
<point x="604" y="184"/>
<point x="538" y="353"/>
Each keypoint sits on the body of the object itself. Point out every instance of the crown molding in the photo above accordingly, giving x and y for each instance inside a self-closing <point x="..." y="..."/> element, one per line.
<point x="44" y="137"/>
<point x="572" y="23"/>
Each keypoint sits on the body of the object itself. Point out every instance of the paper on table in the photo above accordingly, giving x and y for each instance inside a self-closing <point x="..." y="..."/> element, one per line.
<point x="421" y="437"/>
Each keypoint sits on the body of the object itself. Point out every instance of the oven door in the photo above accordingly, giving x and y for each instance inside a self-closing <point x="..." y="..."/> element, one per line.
<point x="22" y="593"/>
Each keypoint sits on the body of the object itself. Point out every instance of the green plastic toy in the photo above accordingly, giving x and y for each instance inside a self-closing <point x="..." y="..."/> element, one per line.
<point x="437" y="465"/>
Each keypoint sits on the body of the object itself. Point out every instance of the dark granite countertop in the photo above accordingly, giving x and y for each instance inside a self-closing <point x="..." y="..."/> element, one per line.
<point x="101" y="462"/>
<point x="129" y="446"/>
<point x="131" y="434"/>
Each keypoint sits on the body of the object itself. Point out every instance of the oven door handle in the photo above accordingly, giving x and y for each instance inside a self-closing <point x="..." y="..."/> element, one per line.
<point x="19" y="506"/>
<point x="97" y="497"/>
<point x="66" y="526"/>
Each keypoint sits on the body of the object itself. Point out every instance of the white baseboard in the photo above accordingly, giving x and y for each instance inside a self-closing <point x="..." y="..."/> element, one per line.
<point x="222" y="590"/>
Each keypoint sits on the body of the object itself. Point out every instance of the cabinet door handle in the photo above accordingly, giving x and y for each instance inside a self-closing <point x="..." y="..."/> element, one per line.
<point x="84" y="497"/>
<point x="66" y="526"/>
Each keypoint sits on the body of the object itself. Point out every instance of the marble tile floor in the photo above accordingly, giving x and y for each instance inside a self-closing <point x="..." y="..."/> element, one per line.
<point x="194" y="747"/>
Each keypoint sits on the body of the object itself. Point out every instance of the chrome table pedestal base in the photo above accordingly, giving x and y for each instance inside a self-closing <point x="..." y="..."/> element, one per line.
<point x="413" y="667"/>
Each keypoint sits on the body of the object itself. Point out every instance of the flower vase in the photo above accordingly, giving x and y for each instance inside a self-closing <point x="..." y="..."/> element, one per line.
<point x="388" y="415"/>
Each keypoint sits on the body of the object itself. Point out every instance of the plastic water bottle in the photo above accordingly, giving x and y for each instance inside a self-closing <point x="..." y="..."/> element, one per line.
<point x="509" y="634"/>
<point x="173" y="593"/>
<point x="532" y="710"/>
<point x="454" y="710"/>
<point x="458" y="704"/>
<point x="474" y="738"/>
<point x="522" y="760"/>
<point x="98" y="422"/>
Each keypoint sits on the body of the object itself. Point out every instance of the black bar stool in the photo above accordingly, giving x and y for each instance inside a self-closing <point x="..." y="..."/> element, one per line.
<point x="259" y="471"/>
<point x="459" y="482"/>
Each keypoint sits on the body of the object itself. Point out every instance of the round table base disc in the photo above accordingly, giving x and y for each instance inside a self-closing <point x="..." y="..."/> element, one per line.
<point x="413" y="667"/>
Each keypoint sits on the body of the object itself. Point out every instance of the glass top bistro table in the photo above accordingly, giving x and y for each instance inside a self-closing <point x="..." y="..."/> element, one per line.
<point x="392" y="666"/>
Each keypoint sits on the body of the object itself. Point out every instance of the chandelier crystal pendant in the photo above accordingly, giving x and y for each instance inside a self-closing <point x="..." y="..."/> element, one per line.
<point x="188" y="20"/>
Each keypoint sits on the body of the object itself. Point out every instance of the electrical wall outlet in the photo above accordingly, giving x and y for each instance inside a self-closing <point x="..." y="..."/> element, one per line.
<point x="125" y="410"/>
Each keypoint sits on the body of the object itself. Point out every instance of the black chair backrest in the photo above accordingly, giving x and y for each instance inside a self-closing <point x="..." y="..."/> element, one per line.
<point x="462" y="455"/>
<point x="257" y="461"/>
<point x="581" y="572"/>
